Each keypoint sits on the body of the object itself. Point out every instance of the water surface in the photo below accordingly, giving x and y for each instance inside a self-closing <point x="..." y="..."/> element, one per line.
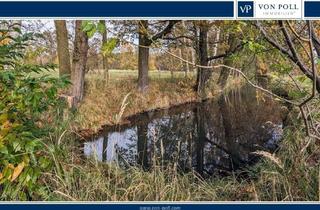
<point x="215" y="137"/>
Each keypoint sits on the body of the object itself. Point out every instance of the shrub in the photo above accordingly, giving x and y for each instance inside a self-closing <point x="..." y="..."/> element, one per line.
<point x="26" y="95"/>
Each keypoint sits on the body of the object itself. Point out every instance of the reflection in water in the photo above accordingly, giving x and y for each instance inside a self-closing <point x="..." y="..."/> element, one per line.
<point x="213" y="137"/>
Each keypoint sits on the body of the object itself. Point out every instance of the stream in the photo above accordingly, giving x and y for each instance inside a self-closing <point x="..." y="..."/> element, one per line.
<point x="214" y="137"/>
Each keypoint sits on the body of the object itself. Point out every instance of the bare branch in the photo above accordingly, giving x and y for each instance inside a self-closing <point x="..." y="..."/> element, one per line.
<point x="179" y="37"/>
<point x="295" y="56"/>
<point x="291" y="52"/>
<point x="273" y="42"/>
<point x="227" y="53"/>
<point x="165" y="31"/>
<point x="296" y="34"/>
<point x="314" y="87"/>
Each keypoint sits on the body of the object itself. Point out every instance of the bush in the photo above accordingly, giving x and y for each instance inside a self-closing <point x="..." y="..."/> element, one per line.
<point x="26" y="95"/>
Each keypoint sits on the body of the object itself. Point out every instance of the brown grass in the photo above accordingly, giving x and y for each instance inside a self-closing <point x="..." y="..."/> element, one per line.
<point x="103" y="102"/>
<point x="290" y="174"/>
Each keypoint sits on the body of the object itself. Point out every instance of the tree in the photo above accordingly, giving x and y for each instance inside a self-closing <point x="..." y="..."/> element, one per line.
<point x="104" y="57"/>
<point x="195" y="34"/>
<point x="203" y="74"/>
<point x="233" y="43"/>
<point x="26" y="94"/>
<point x="230" y="44"/>
<point x="142" y="145"/>
<point x="204" y="37"/>
<point x="145" y="41"/>
<point x="143" y="56"/>
<point x="292" y="45"/>
<point x="63" y="47"/>
<point x="79" y="61"/>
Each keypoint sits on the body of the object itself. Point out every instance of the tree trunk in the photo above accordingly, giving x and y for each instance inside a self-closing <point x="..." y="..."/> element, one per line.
<point x="216" y="45"/>
<point x="204" y="74"/>
<point x="183" y="64"/>
<point x="143" y="57"/>
<point x="104" y="58"/>
<point x="232" y="148"/>
<point x="316" y="44"/>
<point x="318" y="84"/>
<point x="105" y="148"/>
<point x="186" y="63"/>
<point x="63" y="48"/>
<point x="193" y="59"/>
<point x="142" y="145"/>
<point x="200" y="143"/>
<point x="79" y="61"/>
<point x="186" y="51"/>
<point x="225" y="72"/>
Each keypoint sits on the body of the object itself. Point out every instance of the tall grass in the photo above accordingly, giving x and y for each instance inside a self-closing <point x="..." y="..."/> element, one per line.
<point x="103" y="99"/>
<point x="292" y="173"/>
<point x="79" y="179"/>
<point x="293" y="176"/>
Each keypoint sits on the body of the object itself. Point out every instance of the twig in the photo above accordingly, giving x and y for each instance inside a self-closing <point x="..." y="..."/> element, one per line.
<point x="314" y="85"/>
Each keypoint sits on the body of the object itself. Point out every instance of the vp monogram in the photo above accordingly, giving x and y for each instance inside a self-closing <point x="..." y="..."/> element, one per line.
<point x="245" y="8"/>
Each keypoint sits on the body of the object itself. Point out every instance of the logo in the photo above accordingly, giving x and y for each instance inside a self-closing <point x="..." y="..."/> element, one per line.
<point x="270" y="9"/>
<point x="278" y="9"/>
<point x="245" y="9"/>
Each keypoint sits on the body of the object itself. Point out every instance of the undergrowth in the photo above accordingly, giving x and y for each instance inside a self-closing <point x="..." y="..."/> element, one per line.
<point x="292" y="173"/>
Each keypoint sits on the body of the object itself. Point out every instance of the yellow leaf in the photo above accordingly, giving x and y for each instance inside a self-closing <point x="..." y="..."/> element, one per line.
<point x="3" y="118"/>
<point x="4" y="131"/>
<point x="5" y="41"/>
<point x="10" y="166"/>
<point x="7" y="124"/>
<point x="17" y="171"/>
<point x="1" y="176"/>
<point x="14" y="125"/>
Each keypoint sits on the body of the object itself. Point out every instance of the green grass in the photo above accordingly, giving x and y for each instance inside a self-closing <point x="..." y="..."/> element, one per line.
<point x="116" y="74"/>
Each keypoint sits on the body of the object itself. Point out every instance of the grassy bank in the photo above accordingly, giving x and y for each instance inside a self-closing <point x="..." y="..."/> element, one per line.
<point x="41" y="157"/>
<point x="107" y="103"/>
<point x="292" y="173"/>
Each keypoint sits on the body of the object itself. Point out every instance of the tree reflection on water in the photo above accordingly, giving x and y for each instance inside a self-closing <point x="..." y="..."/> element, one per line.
<point x="217" y="136"/>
